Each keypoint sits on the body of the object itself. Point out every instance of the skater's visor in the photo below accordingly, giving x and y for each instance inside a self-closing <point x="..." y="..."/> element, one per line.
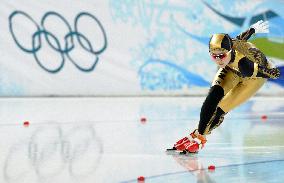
<point x="220" y="56"/>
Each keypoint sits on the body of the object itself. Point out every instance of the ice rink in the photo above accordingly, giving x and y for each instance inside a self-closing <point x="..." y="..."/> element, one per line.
<point x="102" y="140"/>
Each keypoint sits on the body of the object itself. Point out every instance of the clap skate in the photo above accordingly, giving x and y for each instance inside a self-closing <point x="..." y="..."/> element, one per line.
<point x="190" y="144"/>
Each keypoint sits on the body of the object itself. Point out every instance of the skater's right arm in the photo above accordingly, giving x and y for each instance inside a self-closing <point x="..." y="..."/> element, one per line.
<point x="259" y="27"/>
<point x="246" y="35"/>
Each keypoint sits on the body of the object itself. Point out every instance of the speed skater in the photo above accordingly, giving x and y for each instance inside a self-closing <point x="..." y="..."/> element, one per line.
<point x="243" y="70"/>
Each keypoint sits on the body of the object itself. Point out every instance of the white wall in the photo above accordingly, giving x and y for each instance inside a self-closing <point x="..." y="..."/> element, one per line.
<point x="142" y="47"/>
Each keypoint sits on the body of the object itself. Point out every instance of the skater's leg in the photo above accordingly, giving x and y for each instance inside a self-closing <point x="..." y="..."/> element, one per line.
<point x="224" y="81"/>
<point x="244" y="90"/>
<point x="238" y="95"/>
<point x="216" y="121"/>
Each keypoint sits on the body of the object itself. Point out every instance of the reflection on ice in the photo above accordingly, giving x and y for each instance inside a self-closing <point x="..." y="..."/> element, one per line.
<point x="102" y="140"/>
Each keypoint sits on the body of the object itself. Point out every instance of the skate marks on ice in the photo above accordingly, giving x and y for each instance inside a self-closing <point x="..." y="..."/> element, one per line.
<point x="52" y="151"/>
<point x="243" y="149"/>
<point x="197" y="171"/>
<point x="254" y="154"/>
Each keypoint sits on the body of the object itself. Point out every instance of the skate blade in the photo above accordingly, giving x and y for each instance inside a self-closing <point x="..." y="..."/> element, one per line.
<point x="173" y="151"/>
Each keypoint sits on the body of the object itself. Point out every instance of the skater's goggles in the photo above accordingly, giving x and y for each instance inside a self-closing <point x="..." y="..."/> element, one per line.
<point x="220" y="56"/>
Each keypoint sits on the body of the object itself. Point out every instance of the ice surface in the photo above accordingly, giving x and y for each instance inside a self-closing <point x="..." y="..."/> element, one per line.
<point x="100" y="140"/>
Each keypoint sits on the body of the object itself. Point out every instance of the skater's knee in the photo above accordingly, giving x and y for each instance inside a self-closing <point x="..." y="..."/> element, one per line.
<point x="209" y="106"/>
<point x="216" y="93"/>
<point x="216" y="90"/>
<point x="218" y="119"/>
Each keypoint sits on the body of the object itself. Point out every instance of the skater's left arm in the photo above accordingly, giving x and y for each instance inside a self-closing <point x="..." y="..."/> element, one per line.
<point x="249" y="68"/>
<point x="259" y="27"/>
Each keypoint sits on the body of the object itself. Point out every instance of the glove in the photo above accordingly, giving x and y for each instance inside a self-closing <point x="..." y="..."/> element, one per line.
<point x="272" y="73"/>
<point x="261" y="27"/>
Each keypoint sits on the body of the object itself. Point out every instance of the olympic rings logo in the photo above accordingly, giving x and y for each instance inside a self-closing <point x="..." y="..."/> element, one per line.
<point x="64" y="45"/>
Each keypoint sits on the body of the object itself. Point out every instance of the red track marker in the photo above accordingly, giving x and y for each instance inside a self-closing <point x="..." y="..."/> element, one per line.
<point x="211" y="168"/>
<point x="26" y="123"/>
<point x="141" y="179"/>
<point x="143" y="120"/>
<point x="264" y="117"/>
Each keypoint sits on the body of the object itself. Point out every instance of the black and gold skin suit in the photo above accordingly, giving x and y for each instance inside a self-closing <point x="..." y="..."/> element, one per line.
<point x="246" y="72"/>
